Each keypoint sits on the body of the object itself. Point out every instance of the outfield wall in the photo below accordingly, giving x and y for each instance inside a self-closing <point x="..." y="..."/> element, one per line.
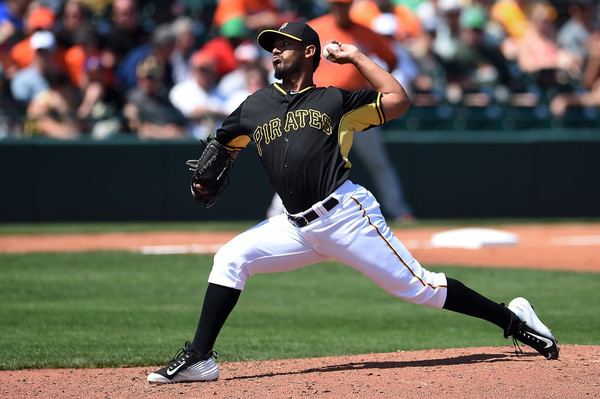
<point x="445" y="174"/>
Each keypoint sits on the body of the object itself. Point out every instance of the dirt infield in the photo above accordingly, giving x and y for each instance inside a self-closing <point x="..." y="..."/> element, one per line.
<point x="450" y="373"/>
<point x="442" y="373"/>
<point x="554" y="246"/>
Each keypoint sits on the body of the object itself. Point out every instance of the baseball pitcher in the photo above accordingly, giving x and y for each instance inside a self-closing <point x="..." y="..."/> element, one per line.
<point x="303" y="135"/>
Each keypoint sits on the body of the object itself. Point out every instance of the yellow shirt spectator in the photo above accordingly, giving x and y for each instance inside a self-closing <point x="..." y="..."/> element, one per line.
<point x="512" y="17"/>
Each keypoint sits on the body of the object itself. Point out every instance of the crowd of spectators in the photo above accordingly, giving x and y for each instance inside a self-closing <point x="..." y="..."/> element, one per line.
<point x="168" y="69"/>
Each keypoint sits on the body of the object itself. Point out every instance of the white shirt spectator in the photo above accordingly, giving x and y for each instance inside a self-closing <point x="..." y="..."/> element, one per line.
<point x="197" y="97"/>
<point x="189" y="98"/>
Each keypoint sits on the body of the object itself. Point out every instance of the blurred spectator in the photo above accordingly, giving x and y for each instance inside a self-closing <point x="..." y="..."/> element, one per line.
<point x="124" y="31"/>
<point x="86" y="46"/>
<point x="51" y="113"/>
<point x="161" y="46"/>
<point x="537" y="52"/>
<point x="485" y="63"/>
<point x="38" y="19"/>
<point x="155" y="12"/>
<point x="198" y="98"/>
<point x="301" y="9"/>
<point x="98" y="111"/>
<point x="8" y="108"/>
<point x="245" y="54"/>
<point x="512" y="16"/>
<point x="31" y="81"/>
<point x="74" y="15"/>
<point x="201" y="11"/>
<point x="55" y="5"/>
<point x="471" y="59"/>
<point x="574" y="34"/>
<point x="591" y="72"/>
<point x="11" y="22"/>
<point x="253" y="14"/>
<point x="366" y="12"/>
<point x="590" y="95"/>
<point x="183" y="29"/>
<point x="222" y="48"/>
<point x="97" y="6"/>
<point x="11" y="17"/>
<point x="444" y="52"/>
<point x="430" y="85"/>
<point x="12" y="14"/>
<point x="255" y="78"/>
<point x="337" y="25"/>
<point x="407" y="70"/>
<point x="448" y="47"/>
<point x="94" y="77"/>
<point x="148" y="110"/>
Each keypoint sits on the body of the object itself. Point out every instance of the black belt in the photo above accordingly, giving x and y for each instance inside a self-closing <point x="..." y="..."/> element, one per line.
<point x="305" y="219"/>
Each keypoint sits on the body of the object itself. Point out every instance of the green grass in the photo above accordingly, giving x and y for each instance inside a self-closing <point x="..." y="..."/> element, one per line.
<point x="117" y="308"/>
<point x="102" y="227"/>
<point x="118" y="227"/>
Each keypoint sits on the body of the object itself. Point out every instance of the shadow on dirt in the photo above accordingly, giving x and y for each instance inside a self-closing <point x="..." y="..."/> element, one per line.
<point x="466" y="359"/>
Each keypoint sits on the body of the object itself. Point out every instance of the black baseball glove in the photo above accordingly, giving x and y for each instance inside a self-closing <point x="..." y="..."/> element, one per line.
<point x="211" y="172"/>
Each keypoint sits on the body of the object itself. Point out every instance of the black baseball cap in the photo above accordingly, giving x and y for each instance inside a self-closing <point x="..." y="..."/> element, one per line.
<point x="298" y="31"/>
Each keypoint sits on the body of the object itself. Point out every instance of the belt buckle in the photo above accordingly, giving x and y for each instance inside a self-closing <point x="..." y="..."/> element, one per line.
<point x="298" y="221"/>
<point x="305" y="220"/>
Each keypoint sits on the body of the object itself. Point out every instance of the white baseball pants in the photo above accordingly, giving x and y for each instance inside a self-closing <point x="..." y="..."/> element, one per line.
<point x="354" y="233"/>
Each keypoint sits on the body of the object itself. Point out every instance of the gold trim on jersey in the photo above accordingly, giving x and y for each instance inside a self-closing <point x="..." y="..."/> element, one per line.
<point x="380" y="109"/>
<point x="423" y="283"/>
<point x="306" y="88"/>
<point x="279" y="88"/>
<point x="358" y="120"/>
<point x="238" y="143"/>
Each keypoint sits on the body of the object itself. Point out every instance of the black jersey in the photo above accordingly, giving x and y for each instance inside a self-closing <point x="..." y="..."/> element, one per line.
<point x="303" y="139"/>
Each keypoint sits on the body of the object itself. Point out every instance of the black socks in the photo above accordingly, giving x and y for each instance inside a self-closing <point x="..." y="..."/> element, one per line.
<point x="462" y="299"/>
<point x="219" y="301"/>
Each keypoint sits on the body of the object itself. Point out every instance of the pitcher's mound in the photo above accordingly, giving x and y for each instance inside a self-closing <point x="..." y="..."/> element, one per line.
<point x="491" y="372"/>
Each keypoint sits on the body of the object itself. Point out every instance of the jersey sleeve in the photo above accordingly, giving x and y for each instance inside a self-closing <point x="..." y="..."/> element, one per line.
<point x="362" y="109"/>
<point x="232" y="133"/>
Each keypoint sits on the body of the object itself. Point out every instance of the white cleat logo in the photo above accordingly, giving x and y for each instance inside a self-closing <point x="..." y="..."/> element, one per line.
<point x="173" y="371"/>
<point x="543" y="339"/>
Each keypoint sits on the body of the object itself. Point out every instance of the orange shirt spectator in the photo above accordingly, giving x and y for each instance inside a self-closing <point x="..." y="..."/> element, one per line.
<point x="222" y="51"/>
<point x="75" y="60"/>
<point x="40" y="18"/>
<point x="365" y="12"/>
<point x="22" y="54"/>
<point x="347" y="76"/>
<point x="230" y="9"/>
<point x="86" y="61"/>
<point x="79" y="62"/>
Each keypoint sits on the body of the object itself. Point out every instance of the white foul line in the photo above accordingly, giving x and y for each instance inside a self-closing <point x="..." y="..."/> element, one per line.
<point x="576" y="240"/>
<point x="410" y="244"/>
<point x="180" y="249"/>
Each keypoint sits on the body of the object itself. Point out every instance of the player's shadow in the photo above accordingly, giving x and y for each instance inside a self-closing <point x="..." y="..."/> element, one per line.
<point x="450" y="361"/>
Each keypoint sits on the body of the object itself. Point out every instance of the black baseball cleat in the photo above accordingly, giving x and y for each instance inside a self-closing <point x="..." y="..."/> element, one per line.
<point x="187" y="366"/>
<point x="527" y="328"/>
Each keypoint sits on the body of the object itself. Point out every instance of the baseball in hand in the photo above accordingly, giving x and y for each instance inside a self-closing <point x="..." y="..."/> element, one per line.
<point x="330" y="48"/>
